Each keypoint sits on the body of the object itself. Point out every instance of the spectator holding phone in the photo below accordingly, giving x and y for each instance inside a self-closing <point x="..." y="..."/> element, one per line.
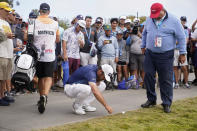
<point x="109" y="48"/>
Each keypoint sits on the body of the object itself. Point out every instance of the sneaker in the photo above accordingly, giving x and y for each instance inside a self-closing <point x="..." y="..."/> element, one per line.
<point x="89" y="108"/>
<point x="4" y="103"/>
<point x="42" y="103"/>
<point x="13" y="93"/>
<point x="135" y="85"/>
<point x="78" y="109"/>
<point x="176" y="86"/>
<point x="5" y="93"/>
<point x="59" y="84"/>
<point x="8" y="94"/>
<point x="187" y="86"/>
<point x="9" y="99"/>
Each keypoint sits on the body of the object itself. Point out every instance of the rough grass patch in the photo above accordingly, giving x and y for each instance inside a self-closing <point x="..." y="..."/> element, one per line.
<point x="182" y="118"/>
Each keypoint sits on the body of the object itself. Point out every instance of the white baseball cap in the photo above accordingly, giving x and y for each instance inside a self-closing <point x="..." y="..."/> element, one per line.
<point x="128" y="21"/>
<point x="108" y="70"/>
<point x="82" y="23"/>
<point x="136" y="20"/>
<point x="123" y="17"/>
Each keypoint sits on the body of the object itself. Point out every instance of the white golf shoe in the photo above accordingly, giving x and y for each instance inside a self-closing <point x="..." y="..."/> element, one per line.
<point x="78" y="109"/>
<point x="89" y="108"/>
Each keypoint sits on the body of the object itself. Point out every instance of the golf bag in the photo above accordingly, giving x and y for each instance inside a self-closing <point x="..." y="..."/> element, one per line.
<point x="111" y="85"/>
<point x="25" y="64"/>
<point x="24" y="69"/>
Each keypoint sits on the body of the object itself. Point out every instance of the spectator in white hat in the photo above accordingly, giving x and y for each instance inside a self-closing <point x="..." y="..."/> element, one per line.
<point x="121" y="23"/>
<point x="73" y="40"/>
<point x="128" y="31"/>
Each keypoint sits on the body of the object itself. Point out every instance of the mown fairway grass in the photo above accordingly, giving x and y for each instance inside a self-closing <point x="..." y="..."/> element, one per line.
<point x="182" y="118"/>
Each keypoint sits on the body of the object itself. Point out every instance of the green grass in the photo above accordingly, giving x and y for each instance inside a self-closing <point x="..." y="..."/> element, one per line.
<point x="182" y="118"/>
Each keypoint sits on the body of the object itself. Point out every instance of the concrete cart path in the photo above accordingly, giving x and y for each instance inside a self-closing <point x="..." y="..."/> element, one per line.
<point x="24" y="116"/>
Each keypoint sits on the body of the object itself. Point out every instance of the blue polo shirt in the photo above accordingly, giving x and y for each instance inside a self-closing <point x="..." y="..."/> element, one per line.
<point x="83" y="75"/>
<point x="170" y="30"/>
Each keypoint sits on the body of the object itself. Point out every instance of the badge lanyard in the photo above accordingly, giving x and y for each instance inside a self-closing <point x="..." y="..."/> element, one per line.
<point x="88" y="35"/>
<point x="159" y="25"/>
<point x="158" y="40"/>
<point x="120" y="49"/>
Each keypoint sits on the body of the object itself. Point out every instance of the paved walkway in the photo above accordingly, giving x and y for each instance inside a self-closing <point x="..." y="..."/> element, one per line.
<point x="23" y="115"/>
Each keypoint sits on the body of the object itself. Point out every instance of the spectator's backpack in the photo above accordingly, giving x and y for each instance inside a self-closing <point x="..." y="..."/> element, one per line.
<point x="25" y="64"/>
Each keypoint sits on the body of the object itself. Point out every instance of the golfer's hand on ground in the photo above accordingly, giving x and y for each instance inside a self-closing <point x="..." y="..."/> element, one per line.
<point x="109" y="109"/>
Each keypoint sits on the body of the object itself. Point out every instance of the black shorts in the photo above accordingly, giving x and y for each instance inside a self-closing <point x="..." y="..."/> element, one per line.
<point x="122" y="63"/>
<point x="45" y="69"/>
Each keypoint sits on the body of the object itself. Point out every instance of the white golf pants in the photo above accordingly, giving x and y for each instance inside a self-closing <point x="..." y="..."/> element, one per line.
<point x="82" y="93"/>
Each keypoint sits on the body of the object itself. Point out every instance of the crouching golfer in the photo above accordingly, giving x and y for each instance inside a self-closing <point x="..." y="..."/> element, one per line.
<point x="85" y="84"/>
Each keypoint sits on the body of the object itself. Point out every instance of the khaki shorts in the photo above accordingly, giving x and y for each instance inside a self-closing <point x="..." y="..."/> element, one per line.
<point x="86" y="59"/>
<point x="5" y="68"/>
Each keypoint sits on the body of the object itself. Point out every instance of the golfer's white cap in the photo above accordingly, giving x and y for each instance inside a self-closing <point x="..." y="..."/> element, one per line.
<point x="108" y="70"/>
